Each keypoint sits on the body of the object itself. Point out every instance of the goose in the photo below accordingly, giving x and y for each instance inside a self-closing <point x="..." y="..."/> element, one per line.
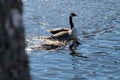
<point x="57" y="30"/>
<point x="65" y="33"/>
<point x="62" y="34"/>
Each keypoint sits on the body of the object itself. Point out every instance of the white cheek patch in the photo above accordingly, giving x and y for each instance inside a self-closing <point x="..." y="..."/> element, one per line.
<point x="16" y="17"/>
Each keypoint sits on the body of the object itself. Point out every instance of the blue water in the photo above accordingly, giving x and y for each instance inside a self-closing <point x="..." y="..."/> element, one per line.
<point x="98" y="23"/>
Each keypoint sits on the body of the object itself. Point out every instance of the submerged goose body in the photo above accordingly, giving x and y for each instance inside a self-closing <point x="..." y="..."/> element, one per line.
<point x="65" y="33"/>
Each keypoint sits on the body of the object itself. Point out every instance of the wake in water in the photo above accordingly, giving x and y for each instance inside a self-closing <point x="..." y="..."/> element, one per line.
<point x="43" y="43"/>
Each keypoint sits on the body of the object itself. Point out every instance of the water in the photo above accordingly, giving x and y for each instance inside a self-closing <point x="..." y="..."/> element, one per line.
<point x="98" y="23"/>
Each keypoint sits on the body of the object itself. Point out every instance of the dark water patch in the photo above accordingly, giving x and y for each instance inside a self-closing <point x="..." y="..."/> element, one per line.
<point x="75" y="54"/>
<point x="101" y="53"/>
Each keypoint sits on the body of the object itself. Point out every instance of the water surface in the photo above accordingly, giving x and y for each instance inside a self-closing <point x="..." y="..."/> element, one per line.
<point x="98" y="23"/>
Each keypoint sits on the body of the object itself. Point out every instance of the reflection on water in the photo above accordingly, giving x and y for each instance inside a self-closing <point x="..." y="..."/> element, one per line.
<point x="98" y="23"/>
<point x="75" y="54"/>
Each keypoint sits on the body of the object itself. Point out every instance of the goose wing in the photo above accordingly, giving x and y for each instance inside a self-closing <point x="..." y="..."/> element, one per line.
<point x="57" y="30"/>
<point x="64" y="35"/>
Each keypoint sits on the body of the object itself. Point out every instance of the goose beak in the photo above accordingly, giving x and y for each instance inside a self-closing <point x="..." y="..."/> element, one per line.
<point x="75" y="15"/>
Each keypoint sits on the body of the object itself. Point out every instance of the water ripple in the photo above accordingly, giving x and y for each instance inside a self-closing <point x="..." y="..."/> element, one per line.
<point x="98" y="23"/>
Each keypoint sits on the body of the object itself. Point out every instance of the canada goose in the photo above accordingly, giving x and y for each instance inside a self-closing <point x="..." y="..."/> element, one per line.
<point x="65" y="33"/>
<point x="57" y="30"/>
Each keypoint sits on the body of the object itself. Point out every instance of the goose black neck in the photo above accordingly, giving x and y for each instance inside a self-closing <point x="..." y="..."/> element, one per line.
<point x="71" y="22"/>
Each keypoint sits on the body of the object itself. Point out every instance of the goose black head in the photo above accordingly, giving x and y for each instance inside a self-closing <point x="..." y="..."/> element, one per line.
<point x="73" y="15"/>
